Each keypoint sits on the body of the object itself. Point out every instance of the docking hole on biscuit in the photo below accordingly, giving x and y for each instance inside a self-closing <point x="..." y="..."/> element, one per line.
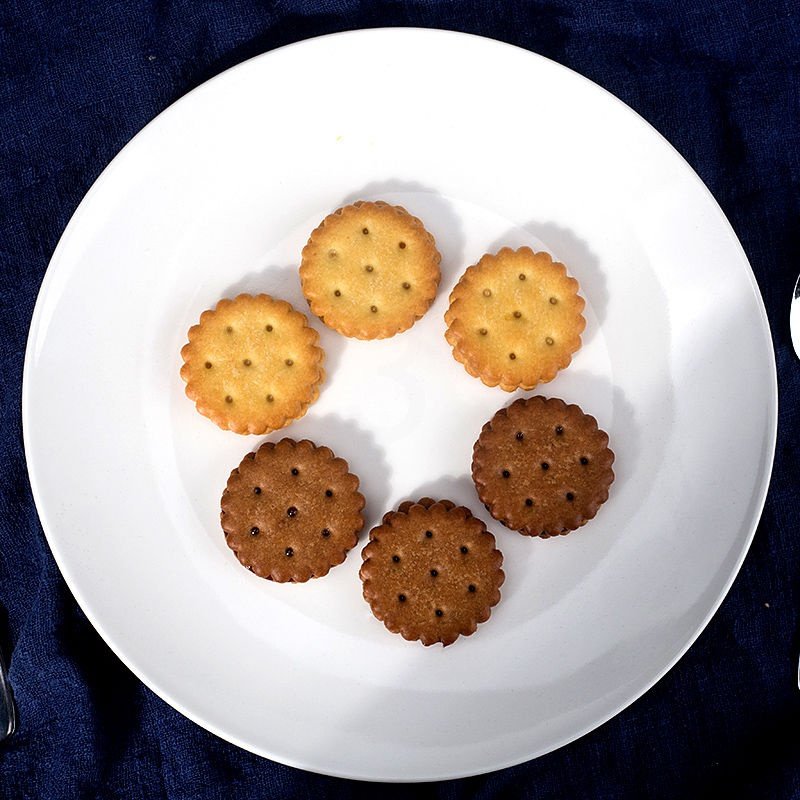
<point x="396" y="559"/>
<point x="472" y="588"/>
<point x="528" y="502"/>
<point x="570" y="497"/>
<point x="325" y="533"/>
<point x="483" y="331"/>
<point x="406" y="285"/>
<point x="548" y="340"/>
<point x="520" y="436"/>
<point x="401" y="597"/>
<point x="289" y="362"/>
<point x="288" y="552"/>
<point x="270" y="398"/>
<point x="545" y="465"/>
<point x="269" y="329"/>
<point x="365" y="231"/>
<point x="559" y="430"/>
<point x="584" y="460"/>
<point x="553" y="301"/>
<point x="295" y="471"/>
<point x="291" y="511"/>
<point x="208" y="365"/>
<point x="402" y="245"/>
<point x="337" y="293"/>
<point x="256" y="490"/>
<point x="369" y="268"/>
<point x="506" y="473"/>
<point x="464" y="549"/>
<point x="512" y="356"/>
<point x="228" y="399"/>
<point x="439" y="612"/>
<point x="487" y="292"/>
<point x="254" y="531"/>
<point x="429" y="534"/>
<point x="229" y="329"/>
<point x="247" y="362"/>
<point x="328" y="493"/>
<point x="517" y="314"/>
<point x="434" y="573"/>
<point x="373" y="309"/>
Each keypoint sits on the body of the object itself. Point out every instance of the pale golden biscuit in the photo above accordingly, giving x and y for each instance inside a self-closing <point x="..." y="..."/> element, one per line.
<point x="542" y="467"/>
<point x="252" y="365"/>
<point x="370" y="270"/>
<point x="291" y="511"/>
<point x="431" y="571"/>
<point x="515" y="319"/>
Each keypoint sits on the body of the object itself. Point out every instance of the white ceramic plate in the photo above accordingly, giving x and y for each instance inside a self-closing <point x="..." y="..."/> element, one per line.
<point x="490" y="145"/>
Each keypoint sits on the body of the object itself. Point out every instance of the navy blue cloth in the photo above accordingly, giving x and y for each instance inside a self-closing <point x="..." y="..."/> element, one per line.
<point x="721" y="80"/>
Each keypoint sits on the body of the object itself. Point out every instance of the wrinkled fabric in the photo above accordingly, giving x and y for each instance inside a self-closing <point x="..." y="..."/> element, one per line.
<point x="720" y="80"/>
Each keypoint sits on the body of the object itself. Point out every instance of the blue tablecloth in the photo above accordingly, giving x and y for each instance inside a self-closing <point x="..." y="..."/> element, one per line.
<point x="721" y="80"/>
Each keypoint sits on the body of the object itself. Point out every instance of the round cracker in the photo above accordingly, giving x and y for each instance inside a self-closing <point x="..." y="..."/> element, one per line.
<point x="252" y="364"/>
<point x="291" y="511"/>
<point x="515" y="319"/>
<point x="431" y="571"/>
<point x="370" y="270"/>
<point x="542" y="467"/>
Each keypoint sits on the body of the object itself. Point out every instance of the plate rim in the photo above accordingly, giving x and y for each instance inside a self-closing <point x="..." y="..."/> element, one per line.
<point x="760" y="490"/>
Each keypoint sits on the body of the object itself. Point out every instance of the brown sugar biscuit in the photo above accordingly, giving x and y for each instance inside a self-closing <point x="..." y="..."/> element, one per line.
<point x="515" y="319"/>
<point x="291" y="511"/>
<point x="431" y="571"/>
<point x="370" y="270"/>
<point x="252" y="364"/>
<point x="542" y="467"/>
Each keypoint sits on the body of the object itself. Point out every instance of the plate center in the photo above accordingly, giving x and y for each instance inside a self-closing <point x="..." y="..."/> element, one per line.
<point x="401" y="411"/>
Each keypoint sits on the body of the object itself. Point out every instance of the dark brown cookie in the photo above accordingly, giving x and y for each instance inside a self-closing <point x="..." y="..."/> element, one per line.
<point x="542" y="467"/>
<point x="291" y="511"/>
<point x="431" y="571"/>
